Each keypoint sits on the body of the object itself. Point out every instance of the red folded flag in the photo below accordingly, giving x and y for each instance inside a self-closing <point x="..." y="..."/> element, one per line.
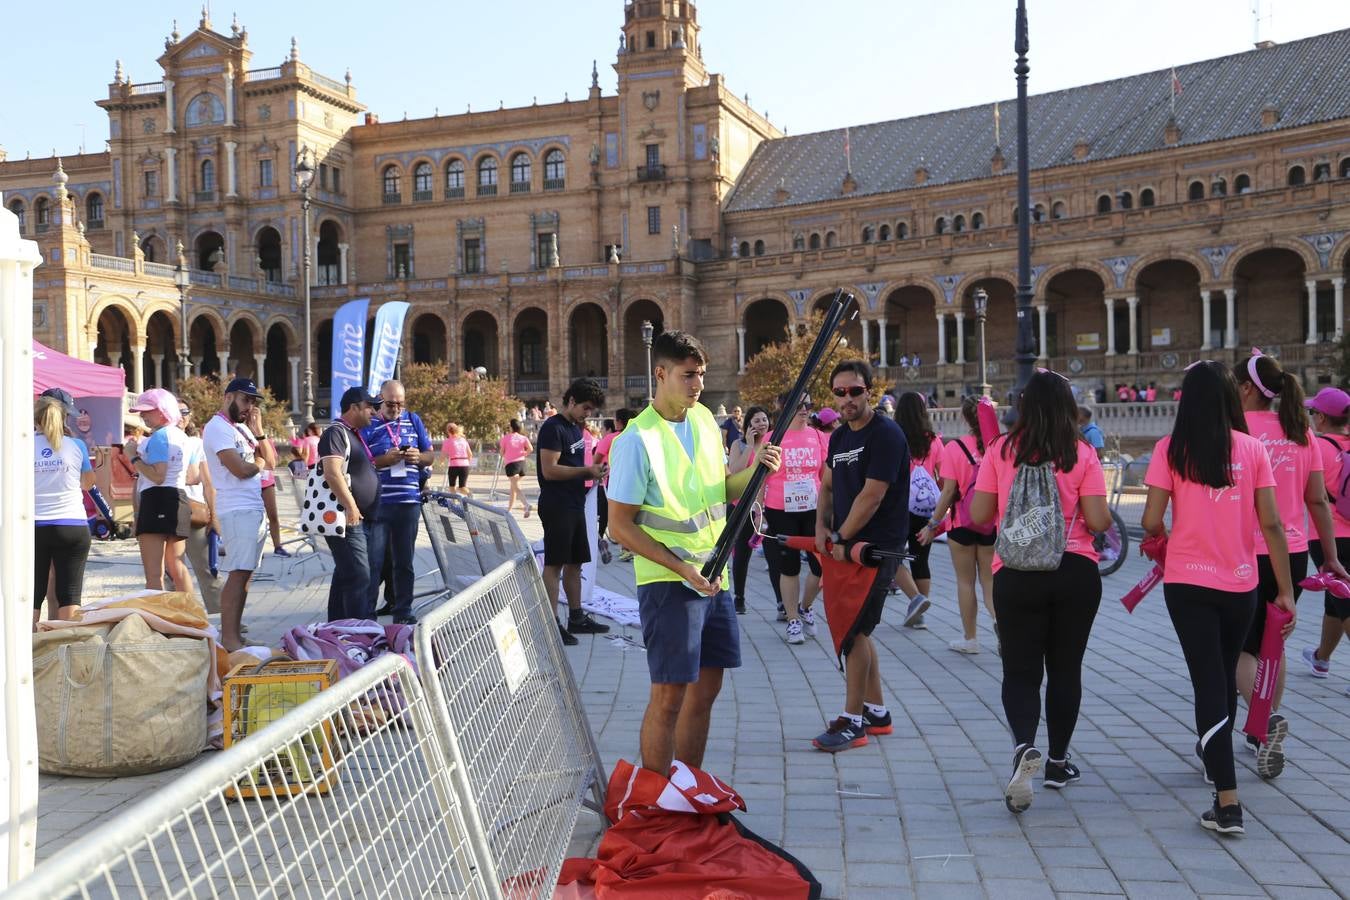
<point x="1267" y="672"/>
<point x="1155" y="548"/>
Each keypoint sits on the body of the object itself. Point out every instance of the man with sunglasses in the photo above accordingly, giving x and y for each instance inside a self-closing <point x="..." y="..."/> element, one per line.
<point x="399" y="448"/>
<point x="864" y="496"/>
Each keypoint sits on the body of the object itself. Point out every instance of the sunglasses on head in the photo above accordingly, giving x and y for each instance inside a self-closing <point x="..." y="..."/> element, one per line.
<point x="855" y="391"/>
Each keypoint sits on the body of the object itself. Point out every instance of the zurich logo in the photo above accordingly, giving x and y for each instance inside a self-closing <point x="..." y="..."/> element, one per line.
<point x="46" y="452"/>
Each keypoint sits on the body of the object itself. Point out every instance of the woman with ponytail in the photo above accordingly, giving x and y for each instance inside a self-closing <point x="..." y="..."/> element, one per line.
<point x="1299" y="486"/>
<point x="61" y="474"/>
<point x="915" y="580"/>
<point x="1330" y="411"/>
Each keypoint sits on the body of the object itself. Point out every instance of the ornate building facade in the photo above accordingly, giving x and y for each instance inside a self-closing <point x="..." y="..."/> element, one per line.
<point x="535" y="241"/>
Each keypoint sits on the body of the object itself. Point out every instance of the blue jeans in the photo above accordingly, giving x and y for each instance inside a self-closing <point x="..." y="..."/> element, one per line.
<point x="393" y="530"/>
<point x="349" y="594"/>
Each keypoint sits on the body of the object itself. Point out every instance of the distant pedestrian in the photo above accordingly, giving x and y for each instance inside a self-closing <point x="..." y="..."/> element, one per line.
<point x="458" y="459"/>
<point x="197" y="547"/>
<point x="350" y="473"/>
<point x="1091" y="431"/>
<point x="1331" y="416"/>
<point x="732" y="427"/>
<point x="515" y="448"/>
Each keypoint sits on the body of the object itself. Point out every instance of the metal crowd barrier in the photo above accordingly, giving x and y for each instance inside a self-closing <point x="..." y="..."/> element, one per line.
<point x="375" y="812"/>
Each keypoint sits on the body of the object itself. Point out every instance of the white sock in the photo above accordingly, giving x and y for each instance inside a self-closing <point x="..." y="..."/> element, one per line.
<point x="856" y="720"/>
<point x="874" y="709"/>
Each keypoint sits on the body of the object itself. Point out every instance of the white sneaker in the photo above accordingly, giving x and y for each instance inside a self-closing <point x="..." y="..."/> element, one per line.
<point x="794" y="632"/>
<point x="808" y="617"/>
<point x="961" y="645"/>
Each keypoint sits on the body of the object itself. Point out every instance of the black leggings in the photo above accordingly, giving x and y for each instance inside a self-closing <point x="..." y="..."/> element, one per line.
<point x="1267" y="589"/>
<point x="740" y="564"/>
<point x="602" y="509"/>
<point x="1044" y="619"/>
<point x="66" y="547"/>
<point x="918" y="566"/>
<point x="1211" y="625"/>
<point x="802" y="524"/>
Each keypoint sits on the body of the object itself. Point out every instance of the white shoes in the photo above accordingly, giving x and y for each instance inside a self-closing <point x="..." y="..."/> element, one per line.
<point x="961" y="645"/>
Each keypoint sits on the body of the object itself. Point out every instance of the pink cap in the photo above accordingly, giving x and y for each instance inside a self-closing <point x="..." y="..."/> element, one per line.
<point x="160" y="400"/>
<point x="1330" y="401"/>
<point x="827" y="416"/>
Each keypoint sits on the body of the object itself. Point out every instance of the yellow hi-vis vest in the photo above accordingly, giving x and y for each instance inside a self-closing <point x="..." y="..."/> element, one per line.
<point x="693" y="510"/>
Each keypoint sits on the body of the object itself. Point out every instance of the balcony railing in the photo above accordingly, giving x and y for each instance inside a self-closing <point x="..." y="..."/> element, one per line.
<point x="331" y="83"/>
<point x="635" y="384"/>
<point x="422" y="196"/>
<point x="95" y="225"/>
<point x="393" y="199"/>
<point x="487" y="190"/>
<point x="208" y="279"/>
<point x="534" y="386"/>
<point x="116" y="263"/>
<point x="206" y="196"/>
<point x="44" y="227"/>
<point x="263" y="74"/>
<point x="602" y="379"/>
<point x="555" y="184"/>
<point x="163" y="270"/>
<point x="149" y="87"/>
<point x="454" y="193"/>
<point x="652" y="173"/>
<point x="520" y="187"/>
<point x="242" y="283"/>
<point x="278" y="290"/>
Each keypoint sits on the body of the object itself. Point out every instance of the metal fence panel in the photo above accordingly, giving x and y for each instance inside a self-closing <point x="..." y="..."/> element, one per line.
<point x="513" y="724"/>
<point x="390" y="825"/>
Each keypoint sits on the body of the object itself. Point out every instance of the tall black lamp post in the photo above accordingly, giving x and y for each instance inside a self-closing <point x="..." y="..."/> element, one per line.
<point x="1026" y="341"/>
<point x="304" y="177"/>
<point x="183" y="279"/>
<point x="981" y="298"/>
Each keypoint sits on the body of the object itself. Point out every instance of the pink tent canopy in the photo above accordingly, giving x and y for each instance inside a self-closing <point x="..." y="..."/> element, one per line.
<point x="82" y="379"/>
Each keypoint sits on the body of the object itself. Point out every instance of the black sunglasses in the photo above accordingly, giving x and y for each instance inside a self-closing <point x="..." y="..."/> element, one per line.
<point x="854" y="391"/>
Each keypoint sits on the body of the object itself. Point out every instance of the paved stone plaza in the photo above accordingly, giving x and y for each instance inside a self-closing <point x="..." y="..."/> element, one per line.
<point x="921" y="811"/>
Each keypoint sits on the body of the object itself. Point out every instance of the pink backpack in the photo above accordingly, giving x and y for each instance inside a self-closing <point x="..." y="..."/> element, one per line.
<point x="1339" y="493"/>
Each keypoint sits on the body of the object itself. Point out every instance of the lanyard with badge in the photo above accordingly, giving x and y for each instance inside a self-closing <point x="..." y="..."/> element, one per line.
<point x="251" y="456"/>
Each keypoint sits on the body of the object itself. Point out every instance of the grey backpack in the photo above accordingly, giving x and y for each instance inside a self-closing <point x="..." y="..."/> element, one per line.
<point x="1031" y="536"/>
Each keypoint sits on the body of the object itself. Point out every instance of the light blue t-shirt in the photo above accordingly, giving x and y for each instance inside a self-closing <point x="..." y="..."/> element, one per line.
<point x="1092" y="433"/>
<point x="630" y="472"/>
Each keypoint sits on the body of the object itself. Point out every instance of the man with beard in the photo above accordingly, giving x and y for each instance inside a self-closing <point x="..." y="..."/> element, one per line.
<point x="237" y="451"/>
<point x="350" y="473"/>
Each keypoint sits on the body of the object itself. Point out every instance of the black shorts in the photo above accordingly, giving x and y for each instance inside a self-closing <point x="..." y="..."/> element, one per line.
<point x="566" y="542"/>
<point x="1266" y="591"/>
<point x="515" y="468"/>
<point x="165" y="511"/>
<point x="967" y="538"/>
<point x="1335" y="607"/>
<point x="918" y="566"/>
<point x="800" y="524"/>
<point x="457" y="476"/>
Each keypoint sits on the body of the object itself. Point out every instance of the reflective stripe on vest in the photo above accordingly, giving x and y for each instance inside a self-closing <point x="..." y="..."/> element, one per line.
<point x="693" y="506"/>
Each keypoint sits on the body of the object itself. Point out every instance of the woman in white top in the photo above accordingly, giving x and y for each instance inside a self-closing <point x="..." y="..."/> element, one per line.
<point x="197" y="547"/>
<point x="61" y="473"/>
<point x="164" y="469"/>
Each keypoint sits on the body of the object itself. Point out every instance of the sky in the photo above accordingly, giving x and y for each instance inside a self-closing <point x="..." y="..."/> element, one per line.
<point x="808" y="65"/>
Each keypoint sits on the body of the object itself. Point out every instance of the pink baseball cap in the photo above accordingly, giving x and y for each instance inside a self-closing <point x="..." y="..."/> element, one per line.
<point x="161" y="401"/>
<point x="827" y="416"/>
<point x="1330" y="401"/>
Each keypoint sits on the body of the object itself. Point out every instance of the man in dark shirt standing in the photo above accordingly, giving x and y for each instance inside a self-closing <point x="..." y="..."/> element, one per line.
<point x="562" y="472"/>
<point x="351" y="475"/>
<point x="864" y="496"/>
<point x="731" y="428"/>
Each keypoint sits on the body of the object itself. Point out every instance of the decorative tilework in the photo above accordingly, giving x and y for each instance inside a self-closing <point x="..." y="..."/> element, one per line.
<point x="1324" y="244"/>
<point x="1216" y="256"/>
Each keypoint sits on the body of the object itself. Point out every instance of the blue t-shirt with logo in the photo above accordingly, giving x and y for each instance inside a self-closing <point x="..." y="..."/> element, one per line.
<point x="381" y="437"/>
<point x="879" y="451"/>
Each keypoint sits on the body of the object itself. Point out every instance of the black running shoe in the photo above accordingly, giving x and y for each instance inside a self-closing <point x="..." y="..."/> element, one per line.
<point x="877" y="724"/>
<point x="567" y="637"/>
<point x="740" y="606"/>
<point x="386" y="610"/>
<point x="1058" y="775"/>
<point x="580" y="622"/>
<point x="1270" y="755"/>
<point x="1223" y="819"/>
<point x="1018" y="794"/>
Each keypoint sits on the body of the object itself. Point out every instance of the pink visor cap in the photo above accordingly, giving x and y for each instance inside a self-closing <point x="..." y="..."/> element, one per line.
<point x="161" y="401"/>
<point x="1330" y="401"/>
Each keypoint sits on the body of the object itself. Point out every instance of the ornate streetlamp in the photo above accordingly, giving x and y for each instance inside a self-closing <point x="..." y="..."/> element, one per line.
<point x="304" y="177"/>
<point x="981" y="298"/>
<point x="647" y="332"/>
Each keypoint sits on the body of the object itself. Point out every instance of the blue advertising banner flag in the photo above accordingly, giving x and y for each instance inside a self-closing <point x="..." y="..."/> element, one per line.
<point x="385" y="343"/>
<point x="349" y="349"/>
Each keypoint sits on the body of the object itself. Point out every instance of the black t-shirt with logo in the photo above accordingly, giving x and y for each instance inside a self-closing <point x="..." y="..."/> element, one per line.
<point x="558" y="433"/>
<point x="339" y="440"/>
<point x="877" y="450"/>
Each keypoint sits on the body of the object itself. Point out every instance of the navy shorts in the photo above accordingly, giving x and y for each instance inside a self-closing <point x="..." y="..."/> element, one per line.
<point x="685" y="631"/>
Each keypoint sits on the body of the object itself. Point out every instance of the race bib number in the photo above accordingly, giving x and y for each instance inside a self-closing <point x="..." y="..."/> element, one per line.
<point x="799" y="495"/>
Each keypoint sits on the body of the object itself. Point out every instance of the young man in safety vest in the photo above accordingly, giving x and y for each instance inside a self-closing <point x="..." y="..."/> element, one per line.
<point x="668" y="495"/>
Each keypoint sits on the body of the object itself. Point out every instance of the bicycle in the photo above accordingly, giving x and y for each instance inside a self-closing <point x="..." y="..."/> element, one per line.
<point x="1113" y="544"/>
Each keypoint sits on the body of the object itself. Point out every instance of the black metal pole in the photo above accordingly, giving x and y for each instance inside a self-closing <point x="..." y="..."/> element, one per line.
<point x="1026" y="341"/>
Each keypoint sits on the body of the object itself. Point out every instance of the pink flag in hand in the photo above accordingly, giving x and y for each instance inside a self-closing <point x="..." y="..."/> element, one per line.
<point x="1155" y="548"/>
<point x="1325" y="581"/>
<point x="1267" y="672"/>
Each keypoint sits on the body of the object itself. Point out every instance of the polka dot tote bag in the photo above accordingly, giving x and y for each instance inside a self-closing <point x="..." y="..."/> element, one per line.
<point x="321" y="512"/>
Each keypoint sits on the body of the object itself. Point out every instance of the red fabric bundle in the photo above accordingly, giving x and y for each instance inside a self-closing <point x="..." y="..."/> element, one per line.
<point x="1155" y="548"/>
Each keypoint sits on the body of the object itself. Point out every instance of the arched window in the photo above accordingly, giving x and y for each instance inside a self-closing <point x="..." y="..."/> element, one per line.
<point x="884" y="233"/>
<point x="1038" y="212"/>
<point x="531" y="348"/>
<point x="901" y="230"/>
<point x="976" y="221"/>
<point x="744" y="248"/>
<point x="520" y="173"/>
<point x="958" y="224"/>
<point x="422" y="181"/>
<point x="43" y="209"/>
<point x="1322" y="171"/>
<point x="487" y="177"/>
<point x="1196" y="191"/>
<point x="555" y="170"/>
<point x="1058" y="210"/>
<point x="814" y="243"/>
<point x="759" y="248"/>
<point x="830" y="239"/>
<point x="867" y="234"/>
<point x="1345" y="168"/>
<point x="1147" y="198"/>
<point x="1243" y="183"/>
<point x="20" y="213"/>
<point x="798" y="242"/>
<point x="454" y="179"/>
<point x="208" y="175"/>
<point x="1126" y="200"/>
<point x="940" y="226"/>
<point x="1218" y="187"/>
<point x="93" y="210"/>
<point x="1297" y="176"/>
<point x="392" y="185"/>
<point x="1104" y="203"/>
<point x="204" y="109"/>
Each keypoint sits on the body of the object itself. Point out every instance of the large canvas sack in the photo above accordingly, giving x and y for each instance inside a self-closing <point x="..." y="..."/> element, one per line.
<point x="118" y="700"/>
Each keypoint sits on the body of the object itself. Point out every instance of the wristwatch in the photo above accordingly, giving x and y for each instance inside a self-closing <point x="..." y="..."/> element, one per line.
<point x="836" y="538"/>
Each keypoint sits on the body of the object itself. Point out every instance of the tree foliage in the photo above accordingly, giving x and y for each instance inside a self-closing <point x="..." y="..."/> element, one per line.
<point x="482" y="407"/>
<point x="775" y="369"/>
<point x="205" y="396"/>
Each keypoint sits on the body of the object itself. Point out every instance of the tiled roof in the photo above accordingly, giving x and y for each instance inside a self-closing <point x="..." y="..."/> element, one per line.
<point x="1221" y="98"/>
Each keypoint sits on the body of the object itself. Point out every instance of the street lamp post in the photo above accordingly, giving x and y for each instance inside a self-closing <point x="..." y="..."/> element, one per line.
<point x="1026" y="342"/>
<point x="981" y="297"/>
<point x="184" y="282"/>
<point x="647" y="331"/>
<point x="304" y="177"/>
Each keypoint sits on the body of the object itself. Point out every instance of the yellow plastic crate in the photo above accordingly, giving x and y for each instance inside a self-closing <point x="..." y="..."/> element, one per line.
<point x="257" y="695"/>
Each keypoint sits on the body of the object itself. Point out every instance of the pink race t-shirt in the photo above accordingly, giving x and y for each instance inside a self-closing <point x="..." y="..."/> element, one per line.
<point x="1213" y="538"/>
<point x="456" y="451"/>
<point x="311" y="444"/>
<point x="796" y="484"/>
<point x="1331" y="446"/>
<point x="515" y="447"/>
<point x="1291" y="465"/>
<point x="1083" y="480"/>
<point x="954" y="465"/>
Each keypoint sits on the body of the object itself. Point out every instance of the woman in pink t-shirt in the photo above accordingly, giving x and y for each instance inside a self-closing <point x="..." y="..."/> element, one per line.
<point x="915" y="579"/>
<point x="972" y="553"/>
<point x="1297" y="466"/>
<point x="1045" y="617"/>
<point x="741" y="456"/>
<point x="1330" y="411"/>
<point x="790" y="508"/>
<point x="1218" y="480"/>
<point x="515" y="447"/>
<point x="458" y="459"/>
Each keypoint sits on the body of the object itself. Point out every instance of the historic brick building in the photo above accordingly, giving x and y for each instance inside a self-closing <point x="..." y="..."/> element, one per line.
<point x="535" y="241"/>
